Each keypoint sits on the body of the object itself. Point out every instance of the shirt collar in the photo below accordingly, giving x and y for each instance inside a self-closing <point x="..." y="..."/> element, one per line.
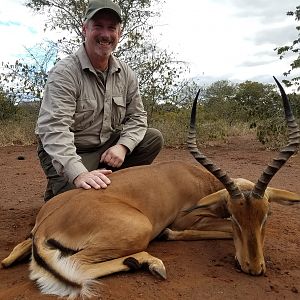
<point x="114" y="65"/>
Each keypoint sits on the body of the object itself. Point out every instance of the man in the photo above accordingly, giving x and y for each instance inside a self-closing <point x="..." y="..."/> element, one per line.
<point x="92" y="117"/>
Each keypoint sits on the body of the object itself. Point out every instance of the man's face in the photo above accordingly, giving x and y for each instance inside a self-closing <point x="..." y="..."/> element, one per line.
<point x="102" y="34"/>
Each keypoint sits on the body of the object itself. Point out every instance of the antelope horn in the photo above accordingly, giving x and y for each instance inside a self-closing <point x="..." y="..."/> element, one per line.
<point x="291" y="147"/>
<point x="230" y="186"/>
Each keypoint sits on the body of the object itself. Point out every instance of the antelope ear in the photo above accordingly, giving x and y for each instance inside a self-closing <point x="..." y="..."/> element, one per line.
<point x="215" y="198"/>
<point x="282" y="197"/>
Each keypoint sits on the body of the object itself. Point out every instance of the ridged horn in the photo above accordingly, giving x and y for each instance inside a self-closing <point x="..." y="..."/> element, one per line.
<point x="228" y="183"/>
<point x="284" y="154"/>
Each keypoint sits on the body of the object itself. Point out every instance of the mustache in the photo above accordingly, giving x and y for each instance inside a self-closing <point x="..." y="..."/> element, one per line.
<point x="103" y="40"/>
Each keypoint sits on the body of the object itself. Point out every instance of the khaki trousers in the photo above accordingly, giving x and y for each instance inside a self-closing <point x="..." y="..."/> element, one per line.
<point x="144" y="154"/>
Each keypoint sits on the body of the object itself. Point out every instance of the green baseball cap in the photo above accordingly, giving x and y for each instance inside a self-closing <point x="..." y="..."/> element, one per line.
<point x="96" y="5"/>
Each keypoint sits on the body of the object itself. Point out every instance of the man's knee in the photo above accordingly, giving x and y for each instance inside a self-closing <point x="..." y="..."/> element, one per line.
<point x="55" y="184"/>
<point x="147" y="150"/>
<point x="153" y="139"/>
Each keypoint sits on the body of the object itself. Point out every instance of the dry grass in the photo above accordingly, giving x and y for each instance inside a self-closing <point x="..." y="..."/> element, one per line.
<point x="174" y="128"/>
<point x="20" y="132"/>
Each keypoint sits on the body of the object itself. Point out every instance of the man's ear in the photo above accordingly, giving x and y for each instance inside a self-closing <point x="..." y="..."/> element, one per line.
<point x="83" y="31"/>
<point x="120" y="31"/>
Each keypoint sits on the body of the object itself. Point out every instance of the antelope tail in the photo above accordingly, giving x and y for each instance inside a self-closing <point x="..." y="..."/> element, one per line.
<point x="57" y="272"/>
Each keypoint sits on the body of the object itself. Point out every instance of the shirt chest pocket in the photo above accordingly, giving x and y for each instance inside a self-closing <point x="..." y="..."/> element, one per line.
<point x="118" y="111"/>
<point x="85" y="114"/>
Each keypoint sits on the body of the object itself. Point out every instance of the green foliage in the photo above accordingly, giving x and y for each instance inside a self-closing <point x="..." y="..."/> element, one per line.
<point x="226" y="106"/>
<point x="272" y="132"/>
<point x="245" y="102"/>
<point x="8" y="109"/>
<point x="219" y="101"/>
<point x="174" y="125"/>
<point x="257" y="100"/>
<point x="294" y="49"/>
<point x="295" y="103"/>
<point x="157" y="78"/>
<point x="17" y="122"/>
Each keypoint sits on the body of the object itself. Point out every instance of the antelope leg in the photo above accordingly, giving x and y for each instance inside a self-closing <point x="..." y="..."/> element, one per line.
<point x="192" y="235"/>
<point x="133" y="261"/>
<point x="21" y="251"/>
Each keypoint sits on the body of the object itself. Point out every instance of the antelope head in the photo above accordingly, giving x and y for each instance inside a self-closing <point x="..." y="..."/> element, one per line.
<point x="248" y="203"/>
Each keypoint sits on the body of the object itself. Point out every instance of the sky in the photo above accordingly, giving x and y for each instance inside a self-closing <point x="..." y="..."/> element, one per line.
<point x="219" y="39"/>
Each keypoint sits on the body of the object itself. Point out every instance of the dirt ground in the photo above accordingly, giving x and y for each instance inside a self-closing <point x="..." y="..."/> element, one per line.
<point x="196" y="270"/>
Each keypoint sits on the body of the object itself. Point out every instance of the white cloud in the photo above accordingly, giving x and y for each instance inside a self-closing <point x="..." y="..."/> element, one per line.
<point x="19" y="28"/>
<point x="226" y="39"/>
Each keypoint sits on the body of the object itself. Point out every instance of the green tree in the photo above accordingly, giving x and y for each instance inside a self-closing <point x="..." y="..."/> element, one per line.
<point x="295" y="103"/>
<point x="294" y="49"/>
<point x="185" y="93"/>
<point x="219" y="100"/>
<point x="257" y="100"/>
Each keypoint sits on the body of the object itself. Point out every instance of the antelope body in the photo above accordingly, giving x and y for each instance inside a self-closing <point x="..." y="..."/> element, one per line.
<point x="82" y="235"/>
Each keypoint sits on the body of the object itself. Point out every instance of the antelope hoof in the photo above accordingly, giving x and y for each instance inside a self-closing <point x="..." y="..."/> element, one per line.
<point x="5" y="263"/>
<point x="157" y="268"/>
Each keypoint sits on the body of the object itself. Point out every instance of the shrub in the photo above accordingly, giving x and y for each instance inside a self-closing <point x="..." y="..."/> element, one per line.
<point x="272" y="132"/>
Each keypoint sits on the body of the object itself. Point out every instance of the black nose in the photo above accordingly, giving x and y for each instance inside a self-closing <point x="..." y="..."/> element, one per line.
<point x="250" y="271"/>
<point x="256" y="274"/>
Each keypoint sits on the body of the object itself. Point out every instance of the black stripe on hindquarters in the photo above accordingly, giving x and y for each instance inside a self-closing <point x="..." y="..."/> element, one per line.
<point x="42" y="263"/>
<point x="64" y="250"/>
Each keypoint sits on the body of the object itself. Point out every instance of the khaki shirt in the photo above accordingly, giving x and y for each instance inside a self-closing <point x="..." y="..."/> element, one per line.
<point x="80" y="111"/>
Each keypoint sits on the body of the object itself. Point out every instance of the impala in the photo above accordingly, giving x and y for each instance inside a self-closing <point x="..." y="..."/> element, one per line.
<point x="82" y="235"/>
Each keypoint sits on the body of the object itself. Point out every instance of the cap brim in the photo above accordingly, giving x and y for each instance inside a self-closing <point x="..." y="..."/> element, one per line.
<point x="92" y="14"/>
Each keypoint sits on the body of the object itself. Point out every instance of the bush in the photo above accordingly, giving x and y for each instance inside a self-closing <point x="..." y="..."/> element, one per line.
<point x="8" y="109"/>
<point x="272" y="133"/>
<point x="19" y="128"/>
<point x="175" y="125"/>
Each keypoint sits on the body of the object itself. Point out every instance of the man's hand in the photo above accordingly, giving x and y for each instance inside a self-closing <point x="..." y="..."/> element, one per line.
<point x="95" y="179"/>
<point x="114" y="156"/>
